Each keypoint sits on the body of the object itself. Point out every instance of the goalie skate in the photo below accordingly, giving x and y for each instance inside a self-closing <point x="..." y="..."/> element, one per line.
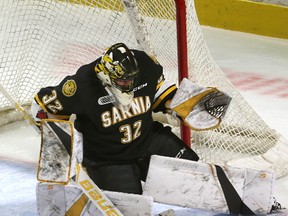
<point x="169" y="212"/>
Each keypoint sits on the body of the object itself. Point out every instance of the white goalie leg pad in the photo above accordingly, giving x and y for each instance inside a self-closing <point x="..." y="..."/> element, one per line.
<point x="50" y="199"/>
<point x="210" y="187"/>
<point x="131" y="204"/>
<point x="59" y="200"/>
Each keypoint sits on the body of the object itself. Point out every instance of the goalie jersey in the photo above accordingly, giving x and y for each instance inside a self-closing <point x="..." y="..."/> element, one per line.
<point x="108" y="132"/>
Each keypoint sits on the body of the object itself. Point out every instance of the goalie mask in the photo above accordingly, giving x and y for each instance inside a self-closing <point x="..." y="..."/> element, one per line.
<point x="118" y="71"/>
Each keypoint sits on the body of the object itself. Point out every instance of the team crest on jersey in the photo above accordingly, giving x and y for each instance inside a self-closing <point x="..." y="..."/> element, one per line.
<point x="69" y="88"/>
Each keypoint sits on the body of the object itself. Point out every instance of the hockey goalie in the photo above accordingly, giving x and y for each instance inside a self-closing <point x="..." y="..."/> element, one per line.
<point x="114" y="136"/>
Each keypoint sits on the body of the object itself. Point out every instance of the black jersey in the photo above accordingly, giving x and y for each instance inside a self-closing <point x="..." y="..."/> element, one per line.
<point x="110" y="134"/>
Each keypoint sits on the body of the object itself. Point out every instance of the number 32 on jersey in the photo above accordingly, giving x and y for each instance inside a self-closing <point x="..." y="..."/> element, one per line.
<point x="130" y="132"/>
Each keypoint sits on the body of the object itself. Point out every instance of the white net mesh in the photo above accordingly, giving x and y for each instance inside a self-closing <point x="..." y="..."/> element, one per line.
<point x="44" y="40"/>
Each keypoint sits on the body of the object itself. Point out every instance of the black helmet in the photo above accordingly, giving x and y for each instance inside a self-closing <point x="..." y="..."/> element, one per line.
<point x="121" y="66"/>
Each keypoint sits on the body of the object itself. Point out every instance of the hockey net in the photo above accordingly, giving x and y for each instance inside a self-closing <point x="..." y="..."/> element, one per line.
<point x="42" y="41"/>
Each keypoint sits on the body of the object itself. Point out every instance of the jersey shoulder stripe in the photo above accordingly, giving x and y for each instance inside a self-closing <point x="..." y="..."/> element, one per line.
<point x="164" y="95"/>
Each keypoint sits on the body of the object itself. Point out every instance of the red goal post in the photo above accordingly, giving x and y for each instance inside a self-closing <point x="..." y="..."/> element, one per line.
<point x="42" y="41"/>
<point x="180" y="6"/>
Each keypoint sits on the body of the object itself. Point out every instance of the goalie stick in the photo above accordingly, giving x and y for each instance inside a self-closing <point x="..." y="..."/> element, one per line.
<point x="94" y="193"/>
<point x="17" y="106"/>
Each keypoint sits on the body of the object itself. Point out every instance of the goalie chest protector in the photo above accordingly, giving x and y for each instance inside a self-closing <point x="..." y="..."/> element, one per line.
<point x="106" y="129"/>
